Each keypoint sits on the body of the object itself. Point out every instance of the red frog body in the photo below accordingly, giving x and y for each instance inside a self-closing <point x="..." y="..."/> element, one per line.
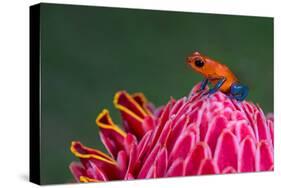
<point x="219" y="75"/>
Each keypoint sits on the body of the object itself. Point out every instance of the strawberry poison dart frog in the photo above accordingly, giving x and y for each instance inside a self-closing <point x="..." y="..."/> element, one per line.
<point x="220" y="76"/>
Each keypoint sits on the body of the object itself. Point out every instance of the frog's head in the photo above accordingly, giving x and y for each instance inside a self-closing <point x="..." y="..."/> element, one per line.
<point x="200" y="63"/>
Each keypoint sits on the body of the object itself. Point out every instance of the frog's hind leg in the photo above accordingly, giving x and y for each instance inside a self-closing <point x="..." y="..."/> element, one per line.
<point x="217" y="86"/>
<point x="239" y="91"/>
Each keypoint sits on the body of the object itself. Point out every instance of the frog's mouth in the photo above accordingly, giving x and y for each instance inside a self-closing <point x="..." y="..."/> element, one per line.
<point x="189" y="60"/>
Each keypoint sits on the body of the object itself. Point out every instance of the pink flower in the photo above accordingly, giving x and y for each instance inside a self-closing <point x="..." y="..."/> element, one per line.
<point x="191" y="136"/>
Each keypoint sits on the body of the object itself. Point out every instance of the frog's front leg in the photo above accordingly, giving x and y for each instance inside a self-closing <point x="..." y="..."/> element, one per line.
<point x="217" y="86"/>
<point x="203" y="85"/>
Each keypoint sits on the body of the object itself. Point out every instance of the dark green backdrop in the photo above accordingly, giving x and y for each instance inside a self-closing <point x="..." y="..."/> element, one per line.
<point x="89" y="53"/>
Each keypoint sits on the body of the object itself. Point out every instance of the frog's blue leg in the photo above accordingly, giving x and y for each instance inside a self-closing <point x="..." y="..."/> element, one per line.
<point x="239" y="91"/>
<point x="204" y="84"/>
<point x="217" y="86"/>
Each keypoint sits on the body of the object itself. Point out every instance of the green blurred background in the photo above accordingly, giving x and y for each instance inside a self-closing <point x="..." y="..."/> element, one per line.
<point x="89" y="53"/>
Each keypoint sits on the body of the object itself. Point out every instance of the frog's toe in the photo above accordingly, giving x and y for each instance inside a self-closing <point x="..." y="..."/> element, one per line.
<point x="211" y="91"/>
<point x="207" y="93"/>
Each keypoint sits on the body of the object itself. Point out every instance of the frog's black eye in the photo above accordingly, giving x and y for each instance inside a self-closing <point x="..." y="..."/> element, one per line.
<point x="199" y="63"/>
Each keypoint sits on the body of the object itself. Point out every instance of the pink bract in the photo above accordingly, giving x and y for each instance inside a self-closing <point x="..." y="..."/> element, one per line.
<point x="191" y="136"/>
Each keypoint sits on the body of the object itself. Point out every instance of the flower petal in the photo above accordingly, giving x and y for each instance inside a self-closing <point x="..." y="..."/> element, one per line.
<point x="122" y="161"/>
<point x="84" y="152"/>
<point x="144" y="145"/>
<point x="143" y="102"/>
<point x="177" y="130"/>
<point x="193" y="116"/>
<point x="124" y="102"/>
<point x="129" y="177"/>
<point x="226" y="150"/>
<point x="182" y="146"/>
<point x="228" y="170"/>
<point x="151" y="172"/>
<point x="77" y="170"/>
<point x="129" y="142"/>
<point x="182" y="109"/>
<point x="177" y="106"/>
<point x="250" y="116"/>
<point x="165" y="114"/>
<point x="148" y="123"/>
<point x="242" y="130"/>
<point x="133" y="162"/>
<point x="95" y="173"/>
<point x="161" y="163"/>
<point x="165" y="134"/>
<point x="227" y="113"/>
<point x="238" y="115"/>
<point x="246" y="157"/>
<point x="101" y="160"/>
<point x="193" y="127"/>
<point x="175" y="169"/>
<point x="218" y="124"/>
<point x="132" y="113"/>
<point x="195" y="89"/>
<point x="208" y="166"/>
<point x="158" y="111"/>
<point x="264" y="158"/>
<point x="229" y="104"/>
<point x="270" y="116"/>
<point x="148" y="163"/>
<point x="161" y="123"/>
<point x="193" y="161"/>
<point x="204" y="125"/>
<point x="159" y="166"/>
<point x="85" y="179"/>
<point x="220" y="96"/>
<point x="271" y="130"/>
<point x="111" y="135"/>
<point x="263" y="131"/>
